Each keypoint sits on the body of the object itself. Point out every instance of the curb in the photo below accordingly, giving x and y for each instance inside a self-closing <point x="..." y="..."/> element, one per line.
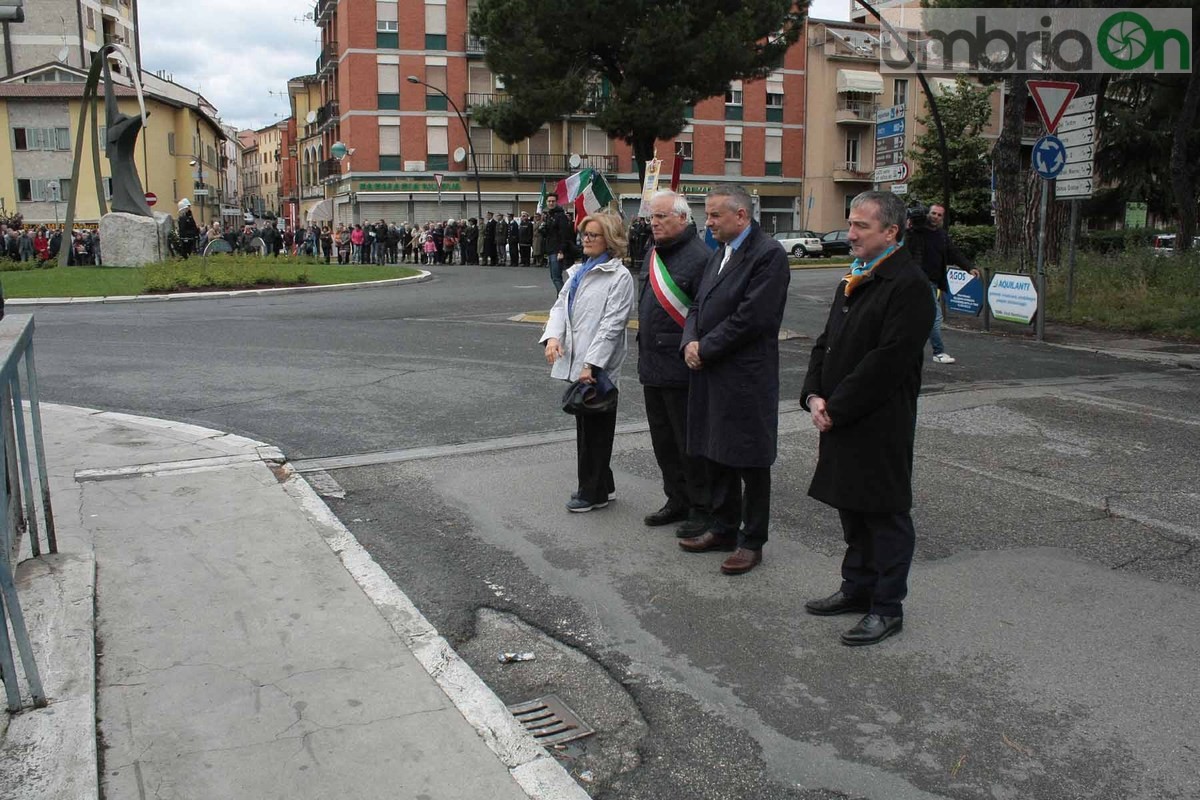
<point x="538" y="773"/>
<point x="424" y="276"/>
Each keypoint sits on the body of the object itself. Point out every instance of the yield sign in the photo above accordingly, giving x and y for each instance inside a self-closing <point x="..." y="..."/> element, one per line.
<point x="1051" y="99"/>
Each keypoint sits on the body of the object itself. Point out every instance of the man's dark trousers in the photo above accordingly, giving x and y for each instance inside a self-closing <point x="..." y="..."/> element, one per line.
<point x="684" y="481"/>
<point x="879" y="552"/>
<point x="729" y="498"/>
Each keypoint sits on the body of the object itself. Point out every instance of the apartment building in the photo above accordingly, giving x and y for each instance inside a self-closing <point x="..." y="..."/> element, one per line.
<point x="304" y="153"/>
<point x="846" y="91"/>
<point x="180" y="156"/>
<point x="407" y="145"/>
<point x="250" y="175"/>
<point x="68" y="32"/>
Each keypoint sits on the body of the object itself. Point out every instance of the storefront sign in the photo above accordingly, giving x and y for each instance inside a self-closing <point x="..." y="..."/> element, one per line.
<point x="409" y="186"/>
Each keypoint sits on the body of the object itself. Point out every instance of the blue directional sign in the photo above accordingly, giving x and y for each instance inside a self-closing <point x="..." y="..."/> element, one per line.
<point x="885" y="129"/>
<point x="1049" y="157"/>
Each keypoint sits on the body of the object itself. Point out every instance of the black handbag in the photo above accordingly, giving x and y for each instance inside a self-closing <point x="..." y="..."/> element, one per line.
<point x="586" y="398"/>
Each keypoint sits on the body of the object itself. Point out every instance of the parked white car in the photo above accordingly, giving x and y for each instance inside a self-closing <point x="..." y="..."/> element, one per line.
<point x="801" y="244"/>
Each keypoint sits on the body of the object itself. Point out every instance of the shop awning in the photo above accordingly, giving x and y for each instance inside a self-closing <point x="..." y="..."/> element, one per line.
<point x="857" y="80"/>
<point x="322" y="211"/>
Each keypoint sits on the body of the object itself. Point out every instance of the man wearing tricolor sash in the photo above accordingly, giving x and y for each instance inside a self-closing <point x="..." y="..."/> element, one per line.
<point x="671" y="273"/>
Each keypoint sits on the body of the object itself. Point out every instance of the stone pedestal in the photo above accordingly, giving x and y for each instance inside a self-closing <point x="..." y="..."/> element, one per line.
<point x="131" y="240"/>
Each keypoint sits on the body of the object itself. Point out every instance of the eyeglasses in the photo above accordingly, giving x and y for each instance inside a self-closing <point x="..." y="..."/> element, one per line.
<point x="590" y="235"/>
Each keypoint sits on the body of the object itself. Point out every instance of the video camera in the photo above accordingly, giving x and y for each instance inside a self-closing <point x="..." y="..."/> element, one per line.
<point x="918" y="216"/>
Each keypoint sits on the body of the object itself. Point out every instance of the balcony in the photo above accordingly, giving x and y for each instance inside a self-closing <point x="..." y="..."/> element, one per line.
<point x="541" y="164"/>
<point x="591" y="104"/>
<point x="851" y="172"/>
<point x="323" y="10"/>
<point x="327" y="61"/>
<point x="312" y="192"/>
<point x="329" y="169"/>
<point x="855" y="112"/>
<point x="474" y="45"/>
<point x="1031" y="131"/>
<point x="327" y="115"/>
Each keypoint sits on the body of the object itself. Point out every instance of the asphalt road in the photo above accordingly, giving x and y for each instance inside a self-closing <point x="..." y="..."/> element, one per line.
<point x="1049" y="649"/>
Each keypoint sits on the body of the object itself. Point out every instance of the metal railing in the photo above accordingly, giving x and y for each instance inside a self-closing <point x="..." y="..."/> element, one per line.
<point x="20" y="518"/>
<point x="592" y="102"/>
<point x="863" y="109"/>
<point x="541" y="163"/>
<point x="329" y="168"/>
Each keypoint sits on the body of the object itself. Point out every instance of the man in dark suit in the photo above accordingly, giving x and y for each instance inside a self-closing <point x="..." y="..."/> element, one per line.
<point x="670" y="276"/>
<point x="861" y="389"/>
<point x="731" y="344"/>
<point x="514" y="237"/>
<point x="489" y="241"/>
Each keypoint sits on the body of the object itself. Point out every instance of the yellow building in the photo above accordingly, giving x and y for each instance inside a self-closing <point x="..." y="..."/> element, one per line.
<point x="313" y="117"/>
<point x="178" y="153"/>
<point x="270" y="142"/>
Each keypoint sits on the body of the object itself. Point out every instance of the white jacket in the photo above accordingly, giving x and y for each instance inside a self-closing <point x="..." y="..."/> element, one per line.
<point x="594" y="333"/>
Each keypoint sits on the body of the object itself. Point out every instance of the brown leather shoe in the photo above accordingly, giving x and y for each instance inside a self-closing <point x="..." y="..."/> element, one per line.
<point x="743" y="560"/>
<point x="709" y="540"/>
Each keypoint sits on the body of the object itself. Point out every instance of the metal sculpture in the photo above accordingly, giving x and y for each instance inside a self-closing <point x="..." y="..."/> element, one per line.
<point x="121" y="134"/>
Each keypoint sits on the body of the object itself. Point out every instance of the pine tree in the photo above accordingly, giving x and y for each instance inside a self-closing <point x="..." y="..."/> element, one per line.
<point x="638" y="64"/>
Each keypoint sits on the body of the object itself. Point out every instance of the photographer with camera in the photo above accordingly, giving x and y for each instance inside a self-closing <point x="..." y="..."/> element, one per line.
<point x="933" y="250"/>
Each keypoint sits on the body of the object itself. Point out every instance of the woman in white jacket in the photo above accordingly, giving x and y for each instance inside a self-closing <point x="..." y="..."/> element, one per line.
<point x="585" y="337"/>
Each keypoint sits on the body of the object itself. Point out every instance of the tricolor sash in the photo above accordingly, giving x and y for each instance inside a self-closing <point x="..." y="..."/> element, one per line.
<point x="673" y="299"/>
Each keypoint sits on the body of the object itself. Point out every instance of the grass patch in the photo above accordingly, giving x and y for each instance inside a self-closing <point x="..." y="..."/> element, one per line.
<point x="1135" y="292"/>
<point x="195" y="274"/>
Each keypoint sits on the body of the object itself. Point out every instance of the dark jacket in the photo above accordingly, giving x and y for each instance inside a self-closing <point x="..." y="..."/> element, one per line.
<point x="866" y="365"/>
<point x="187" y="225"/>
<point x="660" y="362"/>
<point x="933" y="251"/>
<point x="733" y="399"/>
<point x="489" y="231"/>
<point x="514" y="231"/>
<point x="525" y="231"/>
<point x="559" y="236"/>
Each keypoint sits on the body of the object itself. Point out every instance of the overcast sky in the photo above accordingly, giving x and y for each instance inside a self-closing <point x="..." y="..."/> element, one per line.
<point x="235" y="53"/>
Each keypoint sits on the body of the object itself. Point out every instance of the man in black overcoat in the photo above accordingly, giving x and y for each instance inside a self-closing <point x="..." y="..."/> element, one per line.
<point x="731" y="344"/>
<point x="861" y="389"/>
<point x="489" y="241"/>
<point x="662" y="312"/>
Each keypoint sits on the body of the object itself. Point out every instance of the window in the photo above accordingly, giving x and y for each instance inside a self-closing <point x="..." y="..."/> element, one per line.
<point x="733" y="151"/>
<point x="852" y="149"/>
<point x="38" y="190"/>
<point x="41" y="139"/>
<point x="733" y="101"/>
<point x="389" y="85"/>
<point x="437" y="143"/>
<point x="733" y="95"/>
<point x="91" y="19"/>
<point x="435" y="25"/>
<point x="435" y="76"/>
<point x="389" y="143"/>
<point x="683" y="150"/>
<point x="900" y="91"/>
<point x="170" y="142"/>
<point x="774" y="98"/>
<point x="539" y="142"/>
<point x="849" y="199"/>
<point x="774" y="153"/>
<point x="385" y="17"/>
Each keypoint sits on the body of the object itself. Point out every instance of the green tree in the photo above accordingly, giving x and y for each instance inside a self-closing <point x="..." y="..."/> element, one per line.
<point x="965" y="112"/>
<point x="638" y="64"/>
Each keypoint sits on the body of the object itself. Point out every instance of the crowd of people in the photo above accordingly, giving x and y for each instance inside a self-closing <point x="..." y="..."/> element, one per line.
<point x="43" y="244"/>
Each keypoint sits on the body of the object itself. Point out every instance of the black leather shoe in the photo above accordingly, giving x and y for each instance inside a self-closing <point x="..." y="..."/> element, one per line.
<point x="838" y="603"/>
<point x="695" y="525"/>
<point x="666" y="515"/>
<point x="871" y="629"/>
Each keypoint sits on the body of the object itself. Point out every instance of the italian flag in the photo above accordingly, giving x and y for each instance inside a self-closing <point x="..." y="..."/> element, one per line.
<point x="587" y="190"/>
<point x="541" y="206"/>
<point x="673" y="299"/>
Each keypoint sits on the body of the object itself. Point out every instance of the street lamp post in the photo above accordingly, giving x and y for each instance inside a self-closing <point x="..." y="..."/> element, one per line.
<point x="470" y="145"/>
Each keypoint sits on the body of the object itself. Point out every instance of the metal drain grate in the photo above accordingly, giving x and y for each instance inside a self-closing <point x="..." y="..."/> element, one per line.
<point x="549" y="720"/>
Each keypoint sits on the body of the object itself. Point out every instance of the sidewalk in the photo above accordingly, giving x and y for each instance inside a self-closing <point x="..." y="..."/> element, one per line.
<point x="246" y="646"/>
